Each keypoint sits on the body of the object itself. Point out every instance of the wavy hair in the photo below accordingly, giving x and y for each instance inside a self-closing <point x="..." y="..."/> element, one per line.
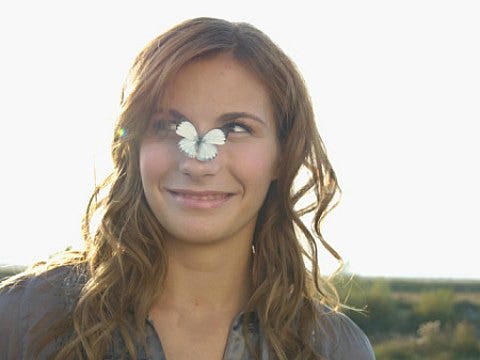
<point x="125" y="255"/>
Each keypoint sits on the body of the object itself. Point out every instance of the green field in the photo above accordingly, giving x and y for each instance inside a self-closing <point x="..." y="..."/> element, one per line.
<point x="407" y="318"/>
<point x="416" y="319"/>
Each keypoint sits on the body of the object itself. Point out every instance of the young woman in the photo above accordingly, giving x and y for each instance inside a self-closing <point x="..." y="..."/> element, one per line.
<point x="200" y="252"/>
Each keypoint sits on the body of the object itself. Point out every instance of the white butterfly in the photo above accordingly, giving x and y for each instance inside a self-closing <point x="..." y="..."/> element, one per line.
<point x="203" y="148"/>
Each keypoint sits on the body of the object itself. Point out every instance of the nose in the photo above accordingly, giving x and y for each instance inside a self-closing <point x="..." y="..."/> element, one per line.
<point x="196" y="168"/>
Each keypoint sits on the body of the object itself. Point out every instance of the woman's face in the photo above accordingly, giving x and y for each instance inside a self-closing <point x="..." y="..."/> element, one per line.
<point x="217" y="200"/>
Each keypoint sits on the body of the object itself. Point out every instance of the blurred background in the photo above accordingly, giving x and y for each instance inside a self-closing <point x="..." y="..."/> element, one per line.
<point x="396" y="90"/>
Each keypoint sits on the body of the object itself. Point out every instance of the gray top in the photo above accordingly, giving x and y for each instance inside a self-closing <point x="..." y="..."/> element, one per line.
<point x="32" y="305"/>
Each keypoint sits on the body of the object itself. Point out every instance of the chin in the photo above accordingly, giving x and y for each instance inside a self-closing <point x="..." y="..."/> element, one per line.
<point x="195" y="236"/>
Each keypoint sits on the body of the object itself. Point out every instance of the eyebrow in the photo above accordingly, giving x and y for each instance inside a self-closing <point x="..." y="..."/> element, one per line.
<point x="223" y="118"/>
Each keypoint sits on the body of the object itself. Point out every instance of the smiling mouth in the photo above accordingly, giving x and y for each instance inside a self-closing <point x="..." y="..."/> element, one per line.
<point x="200" y="199"/>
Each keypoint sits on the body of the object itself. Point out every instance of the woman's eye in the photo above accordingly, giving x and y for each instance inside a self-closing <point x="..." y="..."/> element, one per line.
<point x="163" y="127"/>
<point x="238" y="128"/>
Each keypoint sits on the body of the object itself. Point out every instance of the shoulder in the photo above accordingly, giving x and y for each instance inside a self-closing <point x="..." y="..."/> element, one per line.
<point x="338" y="337"/>
<point x="32" y="302"/>
<point x="44" y="288"/>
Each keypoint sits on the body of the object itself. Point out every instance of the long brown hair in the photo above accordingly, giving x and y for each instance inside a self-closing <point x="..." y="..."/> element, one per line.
<point x="124" y="254"/>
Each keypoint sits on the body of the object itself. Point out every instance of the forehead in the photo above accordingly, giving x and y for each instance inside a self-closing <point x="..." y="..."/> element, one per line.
<point x="206" y="87"/>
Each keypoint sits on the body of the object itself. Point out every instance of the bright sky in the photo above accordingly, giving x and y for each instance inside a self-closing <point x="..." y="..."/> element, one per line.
<point x="396" y="90"/>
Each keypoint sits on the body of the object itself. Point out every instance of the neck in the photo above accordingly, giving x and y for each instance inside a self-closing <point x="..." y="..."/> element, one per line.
<point x="207" y="277"/>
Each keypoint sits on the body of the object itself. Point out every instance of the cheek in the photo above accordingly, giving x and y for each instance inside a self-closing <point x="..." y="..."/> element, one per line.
<point x="257" y="164"/>
<point x="155" y="159"/>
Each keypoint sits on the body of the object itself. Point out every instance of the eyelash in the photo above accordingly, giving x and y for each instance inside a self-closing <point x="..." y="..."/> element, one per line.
<point x="229" y="128"/>
<point x="164" y="126"/>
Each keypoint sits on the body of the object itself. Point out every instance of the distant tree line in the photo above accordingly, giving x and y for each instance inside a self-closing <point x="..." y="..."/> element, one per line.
<point x="435" y="324"/>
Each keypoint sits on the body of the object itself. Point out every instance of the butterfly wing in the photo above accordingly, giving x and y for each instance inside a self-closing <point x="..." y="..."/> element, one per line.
<point x="189" y="147"/>
<point x="190" y="138"/>
<point x="187" y="130"/>
<point x="214" y="136"/>
<point x="207" y="149"/>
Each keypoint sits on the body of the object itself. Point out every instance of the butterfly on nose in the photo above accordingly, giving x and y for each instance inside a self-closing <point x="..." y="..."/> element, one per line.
<point x="203" y="148"/>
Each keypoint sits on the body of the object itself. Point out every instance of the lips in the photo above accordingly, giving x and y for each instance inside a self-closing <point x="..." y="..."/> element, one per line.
<point x="200" y="199"/>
